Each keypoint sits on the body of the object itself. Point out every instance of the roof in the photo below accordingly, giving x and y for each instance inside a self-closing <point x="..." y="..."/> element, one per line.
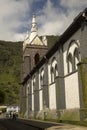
<point x="77" y="22"/>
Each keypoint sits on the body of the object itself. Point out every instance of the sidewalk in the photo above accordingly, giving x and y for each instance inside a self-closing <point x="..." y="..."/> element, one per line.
<point x="67" y="127"/>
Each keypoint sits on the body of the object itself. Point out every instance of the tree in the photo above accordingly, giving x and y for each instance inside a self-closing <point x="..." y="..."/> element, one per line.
<point x="2" y="97"/>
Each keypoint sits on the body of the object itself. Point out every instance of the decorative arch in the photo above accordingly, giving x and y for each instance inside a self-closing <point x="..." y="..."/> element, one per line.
<point x="73" y="42"/>
<point x="76" y="58"/>
<point x="54" y="69"/>
<point x="33" y="84"/>
<point x="37" y="58"/>
<point x="42" y="76"/>
<point x="69" y="61"/>
<point x="28" y="88"/>
<point x="73" y="54"/>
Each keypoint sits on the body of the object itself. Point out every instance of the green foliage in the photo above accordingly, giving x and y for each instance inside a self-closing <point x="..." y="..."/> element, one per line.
<point x="51" y="40"/>
<point x="2" y="97"/>
<point x="10" y="68"/>
<point x="3" y="110"/>
<point x="10" y="62"/>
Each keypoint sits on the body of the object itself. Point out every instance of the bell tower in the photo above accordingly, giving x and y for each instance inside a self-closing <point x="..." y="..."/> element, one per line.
<point x="34" y="48"/>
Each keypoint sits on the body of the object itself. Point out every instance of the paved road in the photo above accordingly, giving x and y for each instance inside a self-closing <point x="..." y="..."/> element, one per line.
<point x="8" y="124"/>
<point x="19" y="124"/>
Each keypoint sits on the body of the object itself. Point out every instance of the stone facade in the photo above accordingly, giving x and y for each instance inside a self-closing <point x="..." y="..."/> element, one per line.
<point x="56" y="87"/>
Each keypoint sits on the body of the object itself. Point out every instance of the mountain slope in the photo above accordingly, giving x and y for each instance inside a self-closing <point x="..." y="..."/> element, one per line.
<point x="10" y="69"/>
<point x="10" y="61"/>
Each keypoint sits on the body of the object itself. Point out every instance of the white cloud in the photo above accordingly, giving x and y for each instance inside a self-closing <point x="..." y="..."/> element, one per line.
<point x="19" y="36"/>
<point x="74" y="4"/>
<point x="55" y="20"/>
<point x="12" y="14"/>
<point x="52" y="20"/>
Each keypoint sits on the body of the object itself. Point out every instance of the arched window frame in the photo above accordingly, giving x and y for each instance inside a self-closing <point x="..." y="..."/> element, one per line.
<point x="36" y="58"/>
<point x="70" y="64"/>
<point x="73" y="58"/>
<point x="34" y="80"/>
<point x="76" y="58"/>
<point x="52" y="75"/>
<point x="28" y="88"/>
<point x="42" y="77"/>
<point x="54" y="69"/>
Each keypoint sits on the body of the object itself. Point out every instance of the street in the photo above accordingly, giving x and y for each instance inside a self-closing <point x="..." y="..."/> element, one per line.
<point x="9" y="124"/>
<point x="19" y="124"/>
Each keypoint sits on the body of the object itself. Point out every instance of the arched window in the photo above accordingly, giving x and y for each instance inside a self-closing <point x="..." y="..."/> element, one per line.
<point x="28" y="88"/>
<point x="54" y="69"/>
<point x="73" y="55"/>
<point x="37" y="58"/>
<point x="33" y="85"/>
<point x="52" y="74"/>
<point x="42" y="77"/>
<point x="69" y="59"/>
<point x="76" y="58"/>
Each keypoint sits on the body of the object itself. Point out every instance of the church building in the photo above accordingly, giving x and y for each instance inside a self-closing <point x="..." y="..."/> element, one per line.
<point x="54" y="81"/>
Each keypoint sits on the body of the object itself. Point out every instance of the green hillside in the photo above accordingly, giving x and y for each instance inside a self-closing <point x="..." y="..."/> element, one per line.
<point x="10" y="69"/>
<point x="10" y="62"/>
<point x="51" y="40"/>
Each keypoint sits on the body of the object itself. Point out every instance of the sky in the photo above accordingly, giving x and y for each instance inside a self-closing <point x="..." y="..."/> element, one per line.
<point x="52" y="16"/>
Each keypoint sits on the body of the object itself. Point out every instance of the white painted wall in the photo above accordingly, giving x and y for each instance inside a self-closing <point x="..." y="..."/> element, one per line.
<point x="72" y="91"/>
<point x="49" y="74"/>
<point x="41" y="99"/>
<point x="71" y="50"/>
<point x="52" y="87"/>
<point x="52" y="97"/>
<point x="40" y="92"/>
<point x="27" y="98"/>
<point x="32" y="101"/>
<point x="32" y="92"/>
<point x="65" y="49"/>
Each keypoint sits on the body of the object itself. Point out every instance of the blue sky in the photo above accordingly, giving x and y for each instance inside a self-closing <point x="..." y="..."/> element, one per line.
<point x="53" y="16"/>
